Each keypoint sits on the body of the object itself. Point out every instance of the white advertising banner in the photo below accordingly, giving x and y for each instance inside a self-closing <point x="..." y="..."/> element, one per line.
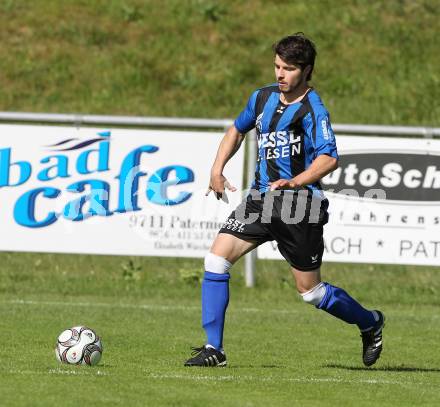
<point x="384" y="203"/>
<point x="110" y="191"/>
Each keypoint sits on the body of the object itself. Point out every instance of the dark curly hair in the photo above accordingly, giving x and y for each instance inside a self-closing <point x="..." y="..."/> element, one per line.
<point x="297" y="49"/>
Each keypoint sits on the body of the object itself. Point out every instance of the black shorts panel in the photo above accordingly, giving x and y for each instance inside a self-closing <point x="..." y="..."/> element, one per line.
<point x="302" y="245"/>
<point x="254" y="231"/>
<point x="300" y="241"/>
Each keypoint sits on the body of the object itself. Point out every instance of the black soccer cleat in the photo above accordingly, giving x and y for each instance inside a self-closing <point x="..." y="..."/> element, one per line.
<point x="372" y="341"/>
<point x="206" y="356"/>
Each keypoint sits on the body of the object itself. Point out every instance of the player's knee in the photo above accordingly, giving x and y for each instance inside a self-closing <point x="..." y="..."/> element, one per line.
<point x="315" y="295"/>
<point x="216" y="264"/>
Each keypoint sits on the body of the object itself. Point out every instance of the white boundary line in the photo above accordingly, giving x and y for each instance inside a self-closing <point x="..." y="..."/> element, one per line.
<point x="304" y="380"/>
<point x="227" y="378"/>
<point x="56" y="371"/>
<point x="152" y="307"/>
<point x="158" y="307"/>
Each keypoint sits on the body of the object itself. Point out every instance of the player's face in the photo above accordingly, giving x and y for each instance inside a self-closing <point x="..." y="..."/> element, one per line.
<point x="289" y="77"/>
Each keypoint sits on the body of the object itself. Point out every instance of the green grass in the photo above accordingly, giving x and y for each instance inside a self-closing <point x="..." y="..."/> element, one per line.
<point x="377" y="60"/>
<point x="281" y="352"/>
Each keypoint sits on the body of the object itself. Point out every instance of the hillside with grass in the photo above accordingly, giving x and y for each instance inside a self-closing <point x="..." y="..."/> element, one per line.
<point x="378" y="61"/>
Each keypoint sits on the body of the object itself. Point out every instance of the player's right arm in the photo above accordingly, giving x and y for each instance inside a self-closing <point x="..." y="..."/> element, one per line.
<point x="228" y="147"/>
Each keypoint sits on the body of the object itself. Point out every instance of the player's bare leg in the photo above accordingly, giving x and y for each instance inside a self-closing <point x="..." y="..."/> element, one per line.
<point x="338" y="303"/>
<point x="225" y="251"/>
<point x="306" y="280"/>
<point x="231" y="247"/>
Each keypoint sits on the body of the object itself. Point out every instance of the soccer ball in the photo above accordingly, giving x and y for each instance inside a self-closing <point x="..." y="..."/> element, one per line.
<point x="79" y="346"/>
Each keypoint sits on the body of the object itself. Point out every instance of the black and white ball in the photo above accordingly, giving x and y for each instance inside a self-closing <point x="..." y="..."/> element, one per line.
<point x="79" y="346"/>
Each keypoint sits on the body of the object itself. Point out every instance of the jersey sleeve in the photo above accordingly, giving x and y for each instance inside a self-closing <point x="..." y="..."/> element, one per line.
<point x="246" y="119"/>
<point x="317" y="126"/>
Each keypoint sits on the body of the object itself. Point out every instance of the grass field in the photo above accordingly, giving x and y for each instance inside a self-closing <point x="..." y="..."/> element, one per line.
<point x="280" y="351"/>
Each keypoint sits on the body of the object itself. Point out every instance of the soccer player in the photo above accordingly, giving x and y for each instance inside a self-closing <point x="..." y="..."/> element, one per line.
<point x="296" y="148"/>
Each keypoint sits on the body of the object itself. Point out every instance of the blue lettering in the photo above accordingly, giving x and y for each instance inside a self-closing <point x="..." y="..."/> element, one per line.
<point x="24" y="210"/>
<point x="98" y="199"/>
<point x="82" y="162"/>
<point x="25" y="169"/>
<point x="159" y="182"/>
<point x="129" y="179"/>
<point x="60" y="168"/>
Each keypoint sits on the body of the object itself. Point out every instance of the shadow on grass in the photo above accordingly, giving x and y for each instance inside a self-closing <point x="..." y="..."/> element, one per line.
<point x="383" y="369"/>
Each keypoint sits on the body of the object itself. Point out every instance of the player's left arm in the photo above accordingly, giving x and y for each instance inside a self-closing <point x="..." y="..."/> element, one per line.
<point x="320" y="167"/>
<point x="318" y="128"/>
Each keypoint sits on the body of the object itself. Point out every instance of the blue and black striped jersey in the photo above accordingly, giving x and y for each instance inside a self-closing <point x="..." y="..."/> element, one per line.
<point x="289" y="137"/>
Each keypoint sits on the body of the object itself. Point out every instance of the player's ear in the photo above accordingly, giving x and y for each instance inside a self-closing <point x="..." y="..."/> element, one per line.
<point x="307" y="72"/>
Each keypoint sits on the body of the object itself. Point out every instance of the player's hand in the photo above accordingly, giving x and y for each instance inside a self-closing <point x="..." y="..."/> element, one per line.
<point x="218" y="184"/>
<point x="283" y="184"/>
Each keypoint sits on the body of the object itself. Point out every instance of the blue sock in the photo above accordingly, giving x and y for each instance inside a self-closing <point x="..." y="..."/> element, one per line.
<point x="215" y="299"/>
<point x="339" y="304"/>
